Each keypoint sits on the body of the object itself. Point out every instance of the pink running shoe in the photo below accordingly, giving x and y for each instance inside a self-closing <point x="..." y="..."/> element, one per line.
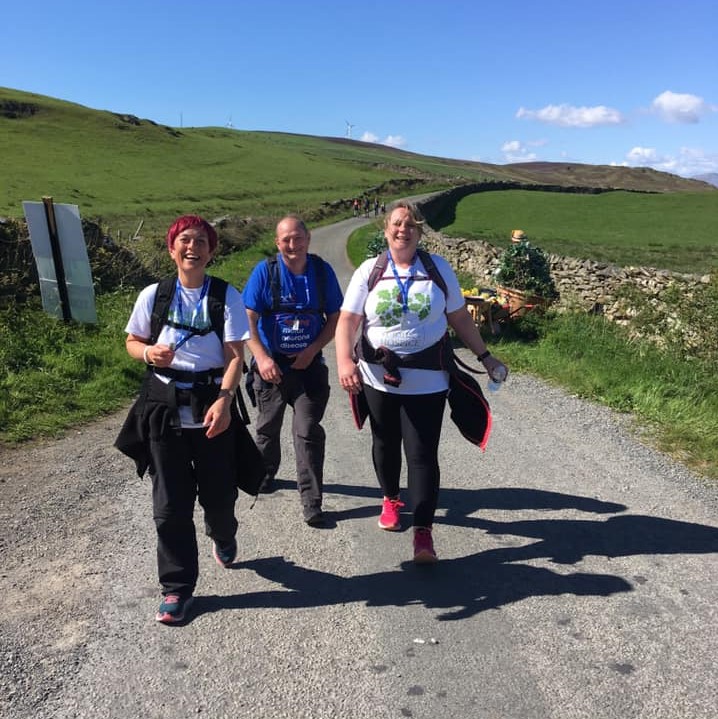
<point x="424" y="546"/>
<point x="390" y="519"/>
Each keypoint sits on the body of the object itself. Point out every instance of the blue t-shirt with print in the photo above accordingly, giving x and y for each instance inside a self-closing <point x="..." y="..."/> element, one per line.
<point x="297" y="322"/>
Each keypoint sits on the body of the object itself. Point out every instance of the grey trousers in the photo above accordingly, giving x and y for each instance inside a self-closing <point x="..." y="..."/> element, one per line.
<point x="307" y="392"/>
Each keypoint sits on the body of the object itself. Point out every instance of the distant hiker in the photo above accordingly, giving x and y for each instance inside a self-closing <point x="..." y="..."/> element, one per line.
<point x="402" y="316"/>
<point x="178" y="427"/>
<point x="293" y="303"/>
<point x="376" y="206"/>
<point x="355" y="207"/>
<point x="367" y="205"/>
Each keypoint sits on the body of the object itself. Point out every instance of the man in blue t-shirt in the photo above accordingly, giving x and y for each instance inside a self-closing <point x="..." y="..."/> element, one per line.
<point x="293" y="304"/>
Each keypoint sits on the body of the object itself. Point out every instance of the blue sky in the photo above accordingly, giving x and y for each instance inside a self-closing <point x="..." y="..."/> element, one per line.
<point x="614" y="82"/>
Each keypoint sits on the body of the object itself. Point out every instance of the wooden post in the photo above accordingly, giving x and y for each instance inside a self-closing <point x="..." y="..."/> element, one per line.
<point x="57" y="258"/>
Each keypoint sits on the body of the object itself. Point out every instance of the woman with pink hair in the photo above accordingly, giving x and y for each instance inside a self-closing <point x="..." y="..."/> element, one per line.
<point x="177" y="429"/>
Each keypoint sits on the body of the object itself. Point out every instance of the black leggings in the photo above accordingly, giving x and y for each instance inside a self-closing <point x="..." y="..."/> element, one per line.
<point x="416" y="420"/>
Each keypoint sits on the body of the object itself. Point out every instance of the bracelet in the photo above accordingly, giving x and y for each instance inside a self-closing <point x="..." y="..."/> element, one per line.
<point x="483" y="356"/>
<point x="144" y="355"/>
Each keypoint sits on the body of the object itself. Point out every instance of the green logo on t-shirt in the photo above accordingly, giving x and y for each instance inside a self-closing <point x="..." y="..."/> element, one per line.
<point x="388" y="306"/>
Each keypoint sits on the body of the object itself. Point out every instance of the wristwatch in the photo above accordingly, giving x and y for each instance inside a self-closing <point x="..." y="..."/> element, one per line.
<point x="227" y="393"/>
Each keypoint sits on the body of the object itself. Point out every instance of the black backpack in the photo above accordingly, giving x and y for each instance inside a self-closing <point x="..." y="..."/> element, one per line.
<point x="276" y="283"/>
<point x="382" y="261"/>
<point x="166" y="288"/>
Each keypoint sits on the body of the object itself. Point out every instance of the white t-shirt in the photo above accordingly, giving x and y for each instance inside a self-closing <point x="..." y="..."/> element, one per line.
<point x="199" y="352"/>
<point x="422" y="325"/>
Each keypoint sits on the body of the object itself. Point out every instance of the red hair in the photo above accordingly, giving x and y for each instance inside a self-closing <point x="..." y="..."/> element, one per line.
<point x="185" y="223"/>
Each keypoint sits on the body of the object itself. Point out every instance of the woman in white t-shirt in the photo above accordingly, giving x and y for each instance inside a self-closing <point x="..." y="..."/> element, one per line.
<point x="179" y="427"/>
<point x="404" y="316"/>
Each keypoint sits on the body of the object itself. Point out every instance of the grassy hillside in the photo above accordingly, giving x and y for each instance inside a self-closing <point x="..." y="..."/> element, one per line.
<point x="671" y="230"/>
<point x="124" y="169"/>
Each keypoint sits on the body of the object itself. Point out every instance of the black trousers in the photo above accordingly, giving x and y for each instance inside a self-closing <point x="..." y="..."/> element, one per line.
<point x="414" y="420"/>
<point x="188" y="465"/>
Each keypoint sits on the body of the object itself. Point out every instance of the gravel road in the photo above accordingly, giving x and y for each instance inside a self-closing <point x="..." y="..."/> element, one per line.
<point x="577" y="579"/>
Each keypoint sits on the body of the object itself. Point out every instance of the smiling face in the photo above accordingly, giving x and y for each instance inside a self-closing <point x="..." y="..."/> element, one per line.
<point x="402" y="234"/>
<point x="190" y="251"/>
<point x="292" y="240"/>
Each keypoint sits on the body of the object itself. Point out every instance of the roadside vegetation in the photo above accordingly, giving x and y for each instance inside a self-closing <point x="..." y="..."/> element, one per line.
<point x="123" y="171"/>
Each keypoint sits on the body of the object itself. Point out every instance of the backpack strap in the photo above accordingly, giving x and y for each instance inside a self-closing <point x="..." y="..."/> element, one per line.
<point x="377" y="272"/>
<point x="216" y="295"/>
<point x="161" y="307"/>
<point x="275" y="282"/>
<point x="320" y="272"/>
<point x="432" y="270"/>
<point x="382" y="261"/>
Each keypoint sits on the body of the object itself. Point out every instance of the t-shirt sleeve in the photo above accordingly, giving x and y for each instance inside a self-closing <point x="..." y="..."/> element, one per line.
<point x="454" y="297"/>
<point x="334" y="296"/>
<point x="236" y="325"/>
<point x="358" y="289"/>
<point x="253" y="295"/>
<point x="140" y="322"/>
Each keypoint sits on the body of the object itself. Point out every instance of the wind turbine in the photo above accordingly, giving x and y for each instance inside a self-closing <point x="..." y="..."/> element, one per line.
<point x="349" y="129"/>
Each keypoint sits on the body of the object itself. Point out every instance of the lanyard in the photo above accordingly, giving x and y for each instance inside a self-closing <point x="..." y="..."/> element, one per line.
<point x="198" y="307"/>
<point x="403" y="286"/>
<point x="296" y="285"/>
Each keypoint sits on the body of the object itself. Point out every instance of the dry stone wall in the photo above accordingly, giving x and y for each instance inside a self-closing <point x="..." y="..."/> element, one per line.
<point x="583" y="284"/>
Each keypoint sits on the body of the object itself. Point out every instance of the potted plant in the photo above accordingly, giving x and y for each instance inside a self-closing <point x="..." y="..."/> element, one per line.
<point x="524" y="277"/>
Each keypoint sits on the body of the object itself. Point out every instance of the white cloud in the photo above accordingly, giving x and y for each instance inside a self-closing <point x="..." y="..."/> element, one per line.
<point x="680" y="107"/>
<point x="641" y="156"/>
<point x="390" y="140"/>
<point x="517" y="151"/>
<point x="570" y="116"/>
<point x="394" y="141"/>
<point x="689" y="161"/>
<point x="511" y="146"/>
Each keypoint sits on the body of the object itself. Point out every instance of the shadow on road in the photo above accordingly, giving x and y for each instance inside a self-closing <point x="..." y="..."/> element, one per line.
<point x="489" y="579"/>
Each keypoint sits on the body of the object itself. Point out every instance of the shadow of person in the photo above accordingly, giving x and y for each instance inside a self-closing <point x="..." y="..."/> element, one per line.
<point x="566" y="541"/>
<point x="461" y="587"/>
<point x="460" y="503"/>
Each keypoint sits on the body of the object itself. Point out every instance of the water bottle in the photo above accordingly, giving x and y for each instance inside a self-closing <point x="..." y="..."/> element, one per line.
<point x="496" y="378"/>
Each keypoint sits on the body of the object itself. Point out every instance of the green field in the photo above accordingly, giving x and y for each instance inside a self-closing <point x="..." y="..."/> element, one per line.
<point x="671" y="231"/>
<point x="123" y="170"/>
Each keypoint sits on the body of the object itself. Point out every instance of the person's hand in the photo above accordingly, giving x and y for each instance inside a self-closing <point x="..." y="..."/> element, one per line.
<point x="491" y="363"/>
<point x="160" y="355"/>
<point x="218" y="417"/>
<point x="269" y="370"/>
<point x="303" y="359"/>
<point x="349" y="376"/>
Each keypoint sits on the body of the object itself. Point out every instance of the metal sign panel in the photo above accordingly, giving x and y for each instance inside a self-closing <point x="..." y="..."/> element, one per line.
<point x="78" y="275"/>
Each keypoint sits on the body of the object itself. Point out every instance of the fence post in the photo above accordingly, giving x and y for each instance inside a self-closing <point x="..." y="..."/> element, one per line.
<point x="57" y="258"/>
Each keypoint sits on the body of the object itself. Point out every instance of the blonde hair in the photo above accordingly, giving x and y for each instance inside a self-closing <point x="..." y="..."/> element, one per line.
<point x="411" y="208"/>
